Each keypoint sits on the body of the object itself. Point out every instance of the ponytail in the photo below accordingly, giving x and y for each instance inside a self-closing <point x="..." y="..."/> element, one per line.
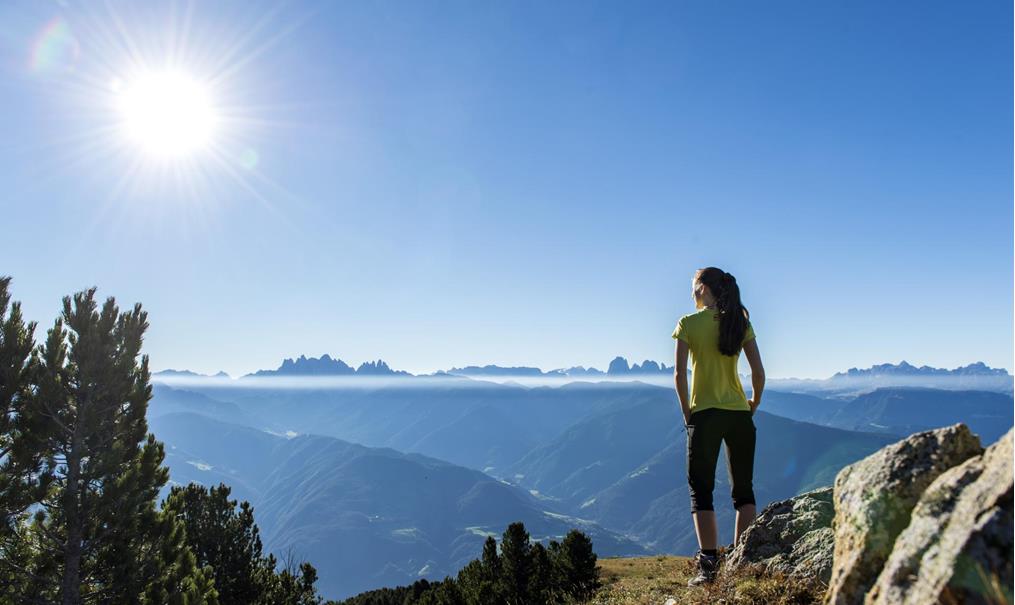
<point x="733" y="315"/>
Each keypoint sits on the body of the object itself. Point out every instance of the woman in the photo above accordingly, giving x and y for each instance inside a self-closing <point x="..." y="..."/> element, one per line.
<point x="717" y="410"/>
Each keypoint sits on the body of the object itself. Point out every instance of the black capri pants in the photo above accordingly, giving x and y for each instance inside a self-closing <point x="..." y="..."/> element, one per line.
<point x="708" y="429"/>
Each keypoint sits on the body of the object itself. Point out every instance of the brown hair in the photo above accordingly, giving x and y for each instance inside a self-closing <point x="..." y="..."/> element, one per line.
<point x="733" y="315"/>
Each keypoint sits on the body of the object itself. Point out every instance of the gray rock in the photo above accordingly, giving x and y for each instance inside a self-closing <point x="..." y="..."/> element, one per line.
<point x="791" y="536"/>
<point x="958" y="545"/>
<point x="874" y="499"/>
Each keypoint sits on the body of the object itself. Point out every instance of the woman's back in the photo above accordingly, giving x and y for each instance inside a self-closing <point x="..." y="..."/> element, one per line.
<point x="715" y="382"/>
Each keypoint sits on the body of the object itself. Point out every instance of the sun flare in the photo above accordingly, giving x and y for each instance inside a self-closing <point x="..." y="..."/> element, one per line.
<point x="172" y="111"/>
<point x="167" y="114"/>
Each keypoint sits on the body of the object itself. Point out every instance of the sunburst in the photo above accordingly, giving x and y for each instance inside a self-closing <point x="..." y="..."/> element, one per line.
<point x="165" y="109"/>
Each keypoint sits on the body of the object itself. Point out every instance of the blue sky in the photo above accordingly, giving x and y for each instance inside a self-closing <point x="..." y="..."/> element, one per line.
<point x="450" y="183"/>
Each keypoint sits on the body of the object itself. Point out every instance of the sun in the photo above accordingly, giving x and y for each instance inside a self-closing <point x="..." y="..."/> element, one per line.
<point x="168" y="114"/>
<point x="165" y="106"/>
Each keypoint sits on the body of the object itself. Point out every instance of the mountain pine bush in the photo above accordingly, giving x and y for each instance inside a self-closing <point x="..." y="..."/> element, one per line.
<point x="521" y="573"/>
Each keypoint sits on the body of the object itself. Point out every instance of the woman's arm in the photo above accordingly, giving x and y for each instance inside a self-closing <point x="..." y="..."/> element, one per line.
<point x="757" y="372"/>
<point x="680" y="378"/>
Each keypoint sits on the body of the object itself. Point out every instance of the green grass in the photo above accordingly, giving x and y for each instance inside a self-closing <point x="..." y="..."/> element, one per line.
<point x="643" y="580"/>
<point x="651" y="580"/>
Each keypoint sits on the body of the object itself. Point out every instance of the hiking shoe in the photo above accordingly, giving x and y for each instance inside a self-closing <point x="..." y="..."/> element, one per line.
<point x="708" y="567"/>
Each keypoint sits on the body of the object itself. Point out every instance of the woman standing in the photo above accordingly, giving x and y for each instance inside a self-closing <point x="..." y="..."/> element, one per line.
<point x="717" y="410"/>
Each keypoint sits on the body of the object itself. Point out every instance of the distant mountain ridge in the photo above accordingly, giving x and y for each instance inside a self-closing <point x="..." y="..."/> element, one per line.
<point x="189" y="374"/>
<point x="494" y="370"/>
<point x="618" y="367"/>
<point x="904" y="368"/>
<point x="327" y="366"/>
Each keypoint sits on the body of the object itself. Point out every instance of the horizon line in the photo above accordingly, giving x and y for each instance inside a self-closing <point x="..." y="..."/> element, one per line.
<point x="544" y="373"/>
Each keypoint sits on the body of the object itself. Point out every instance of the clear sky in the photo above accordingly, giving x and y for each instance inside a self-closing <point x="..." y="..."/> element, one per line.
<point x="453" y="183"/>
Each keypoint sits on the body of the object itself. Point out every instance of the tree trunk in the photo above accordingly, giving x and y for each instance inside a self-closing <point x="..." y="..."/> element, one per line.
<point x="70" y="585"/>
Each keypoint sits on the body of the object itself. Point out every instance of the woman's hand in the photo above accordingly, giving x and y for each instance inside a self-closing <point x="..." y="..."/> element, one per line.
<point x="754" y="406"/>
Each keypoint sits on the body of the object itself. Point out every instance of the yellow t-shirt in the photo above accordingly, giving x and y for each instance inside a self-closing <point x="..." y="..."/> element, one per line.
<point x="714" y="379"/>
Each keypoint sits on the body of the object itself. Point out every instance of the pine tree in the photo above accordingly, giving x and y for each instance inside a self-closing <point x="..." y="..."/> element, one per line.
<point x="293" y="585"/>
<point x="574" y="564"/>
<point x="100" y="532"/>
<point x="445" y="592"/>
<point x="515" y="565"/>
<point x="541" y="579"/>
<point x="491" y="559"/>
<point x="471" y="584"/>
<point x="22" y="480"/>
<point x="17" y="567"/>
<point x="478" y="580"/>
<point x="222" y="535"/>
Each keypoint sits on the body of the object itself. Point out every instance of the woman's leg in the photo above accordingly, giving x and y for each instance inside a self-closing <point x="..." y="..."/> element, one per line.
<point x="704" y="437"/>
<point x="707" y="529"/>
<point x="741" y="438"/>
<point x="745" y="516"/>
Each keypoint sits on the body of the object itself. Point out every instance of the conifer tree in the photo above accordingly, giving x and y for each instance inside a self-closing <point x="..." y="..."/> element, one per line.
<point x="17" y="567"/>
<point x="515" y="565"/>
<point x="474" y="585"/>
<point x="19" y="460"/>
<point x="100" y="532"/>
<point x="478" y="580"/>
<point x="540" y="587"/>
<point x="293" y="585"/>
<point x="445" y="592"/>
<point x="491" y="559"/>
<point x="222" y="535"/>
<point x="574" y="564"/>
<point x="22" y="480"/>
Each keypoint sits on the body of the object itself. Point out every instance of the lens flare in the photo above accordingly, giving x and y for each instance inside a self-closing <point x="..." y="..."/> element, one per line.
<point x="55" y="49"/>
<point x="249" y="158"/>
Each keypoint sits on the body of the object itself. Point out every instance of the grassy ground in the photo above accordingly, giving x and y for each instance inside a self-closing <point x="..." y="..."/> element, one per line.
<point x="652" y="580"/>
<point x="645" y="580"/>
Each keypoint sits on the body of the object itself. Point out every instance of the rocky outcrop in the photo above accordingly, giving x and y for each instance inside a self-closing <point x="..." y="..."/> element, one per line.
<point x="874" y="499"/>
<point x="958" y="545"/>
<point x="792" y="536"/>
<point x="925" y="520"/>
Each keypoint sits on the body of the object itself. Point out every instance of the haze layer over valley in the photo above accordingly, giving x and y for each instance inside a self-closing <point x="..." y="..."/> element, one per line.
<point x="412" y="472"/>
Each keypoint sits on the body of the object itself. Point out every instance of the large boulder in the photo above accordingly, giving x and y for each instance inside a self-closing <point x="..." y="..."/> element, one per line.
<point x="874" y="499"/>
<point x="791" y="536"/>
<point x="958" y="545"/>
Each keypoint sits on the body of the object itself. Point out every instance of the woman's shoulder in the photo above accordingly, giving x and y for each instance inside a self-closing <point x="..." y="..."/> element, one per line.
<point x="690" y="319"/>
<point x="695" y="314"/>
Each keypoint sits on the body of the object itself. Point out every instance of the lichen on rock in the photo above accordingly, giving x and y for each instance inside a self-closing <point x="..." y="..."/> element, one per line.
<point x="874" y="499"/>
<point x="959" y="540"/>
<point x="791" y="536"/>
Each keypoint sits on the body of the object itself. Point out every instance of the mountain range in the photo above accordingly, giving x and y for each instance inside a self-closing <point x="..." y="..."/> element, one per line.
<point x="365" y="517"/>
<point x="410" y="474"/>
<point x="326" y="366"/>
<point x="619" y="366"/>
<point x="906" y="369"/>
